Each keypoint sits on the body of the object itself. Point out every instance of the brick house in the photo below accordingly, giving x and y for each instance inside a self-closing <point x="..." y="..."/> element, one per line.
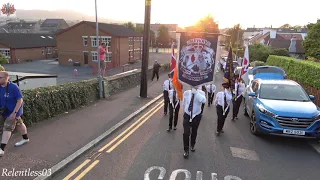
<point x="19" y="47"/>
<point x="79" y="43"/>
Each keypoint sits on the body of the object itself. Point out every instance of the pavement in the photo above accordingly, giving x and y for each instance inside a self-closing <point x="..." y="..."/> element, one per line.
<point x="53" y="140"/>
<point x="65" y="73"/>
<point x="143" y="149"/>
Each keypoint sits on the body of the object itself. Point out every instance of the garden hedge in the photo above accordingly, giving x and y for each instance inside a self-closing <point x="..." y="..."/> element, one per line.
<point x="306" y="72"/>
<point x="46" y="102"/>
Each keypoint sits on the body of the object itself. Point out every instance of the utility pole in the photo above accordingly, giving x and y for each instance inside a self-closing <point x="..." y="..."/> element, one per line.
<point x="145" y="51"/>
<point x="238" y="43"/>
<point x="98" y="52"/>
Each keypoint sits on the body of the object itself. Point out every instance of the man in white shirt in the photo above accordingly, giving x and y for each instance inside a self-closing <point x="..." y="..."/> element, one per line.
<point x="192" y="101"/>
<point x="239" y="88"/>
<point x="167" y="85"/>
<point x="211" y="89"/>
<point x="222" y="103"/>
<point x="174" y="108"/>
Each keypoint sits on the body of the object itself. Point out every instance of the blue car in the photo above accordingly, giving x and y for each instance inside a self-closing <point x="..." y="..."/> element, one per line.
<point x="281" y="107"/>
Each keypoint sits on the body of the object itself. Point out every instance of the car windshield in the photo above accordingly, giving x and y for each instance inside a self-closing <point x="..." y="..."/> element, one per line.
<point x="283" y="92"/>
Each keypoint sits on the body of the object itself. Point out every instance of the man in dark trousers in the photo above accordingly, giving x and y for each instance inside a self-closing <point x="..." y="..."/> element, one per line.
<point x="167" y="86"/>
<point x="222" y="103"/>
<point x="211" y="89"/>
<point x="239" y="88"/>
<point x="192" y="101"/>
<point x="156" y="67"/>
<point x="174" y="108"/>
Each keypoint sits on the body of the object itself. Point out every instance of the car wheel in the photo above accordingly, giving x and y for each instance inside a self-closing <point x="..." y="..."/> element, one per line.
<point x="245" y="110"/>
<point x="253" y="125"/>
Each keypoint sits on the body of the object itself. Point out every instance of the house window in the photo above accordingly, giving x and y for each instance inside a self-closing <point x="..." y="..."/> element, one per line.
<point x="85" y="40"/>
<point x="94" y="42"/>
<point x="5" y="52"/>
<point x="107" y="40"/>
<point x="49" y="50"/>
<point x="131" y="50"/>
<point x="108" y="57"/>
<point x="94" y="55"/>
<point x="43" y="51"/>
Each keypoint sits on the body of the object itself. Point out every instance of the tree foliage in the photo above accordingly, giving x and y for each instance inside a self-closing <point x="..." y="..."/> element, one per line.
<point x="206" y="24"/>
<point x="289" y="26"/>
<point x="236" y="37"/>
<point x="152" y="34"/>
<point x="312" y="42"/>
<point x="163" y="36"/>
<point x="260" y="52"/>
<point x="3" y="59"/>
<point x="129" y="25"/>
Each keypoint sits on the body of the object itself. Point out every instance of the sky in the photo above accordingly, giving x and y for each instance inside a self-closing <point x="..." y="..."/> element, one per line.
<point x="248" y="13"/>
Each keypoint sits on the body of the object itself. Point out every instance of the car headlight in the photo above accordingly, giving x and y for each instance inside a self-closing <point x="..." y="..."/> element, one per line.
<point x="317" y="117"/>
<point x="265" y="111"/>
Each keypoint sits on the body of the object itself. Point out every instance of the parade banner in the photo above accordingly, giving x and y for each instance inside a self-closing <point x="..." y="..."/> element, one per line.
<point x="197" y="53"/>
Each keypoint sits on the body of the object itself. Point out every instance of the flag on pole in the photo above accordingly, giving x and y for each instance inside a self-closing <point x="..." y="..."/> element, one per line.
<point x="229" y="72"/>
<point x="174" y="71"/>
<point x="245" y="63"/>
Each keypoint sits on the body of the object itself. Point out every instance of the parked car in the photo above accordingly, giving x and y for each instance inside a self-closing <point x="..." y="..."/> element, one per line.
<point x="281" y="107"/>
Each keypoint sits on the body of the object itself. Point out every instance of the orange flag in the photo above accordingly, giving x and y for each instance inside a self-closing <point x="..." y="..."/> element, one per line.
<point x="177" y="84"/>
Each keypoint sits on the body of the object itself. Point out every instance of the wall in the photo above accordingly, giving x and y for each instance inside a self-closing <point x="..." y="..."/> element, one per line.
<point x="37" y="82"/>
<point x="31" y="54"/>
<point x="127" y="80"/>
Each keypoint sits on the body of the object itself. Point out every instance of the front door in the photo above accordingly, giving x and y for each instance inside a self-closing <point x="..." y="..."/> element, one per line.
<point x="86" y="57"/>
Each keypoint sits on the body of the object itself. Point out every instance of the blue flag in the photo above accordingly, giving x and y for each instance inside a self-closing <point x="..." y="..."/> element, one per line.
<point x="229" y="71"/>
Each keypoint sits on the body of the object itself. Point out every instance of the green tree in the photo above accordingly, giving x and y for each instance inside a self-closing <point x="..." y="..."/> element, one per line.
<point x="259" y="52"/>
<point x="286" y="26"/>
<point x="129" y="25"/>
<point x="235" y="38"/>
<point x="280" y="52"/>
<point x="3" y="59"/>
<point x="152" y="34"/>
<point x="312" y="42"/>
<point x="206" y="24"/>
<point x="163" y="36"/>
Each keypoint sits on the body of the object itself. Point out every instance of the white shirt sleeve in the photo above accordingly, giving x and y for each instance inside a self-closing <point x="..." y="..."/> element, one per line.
<point x="201" y="97"/>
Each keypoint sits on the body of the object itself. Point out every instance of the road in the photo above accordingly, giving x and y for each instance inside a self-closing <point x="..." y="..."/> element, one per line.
<point x="143" y="149"/>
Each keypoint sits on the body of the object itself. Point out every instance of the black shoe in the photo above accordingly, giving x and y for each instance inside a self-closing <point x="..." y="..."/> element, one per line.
<point x="236" y="118"/>
<point x="218" y="133"/>
<point x="193" y="149"/>
<point x="222" y="131"/>
<point x="169" y="129"/>
<point x="186" y="154"/>
<point x="232" y="119"/>
<point x="175" y="128"/>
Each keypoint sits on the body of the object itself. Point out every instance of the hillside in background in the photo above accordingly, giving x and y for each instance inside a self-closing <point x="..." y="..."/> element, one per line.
<point x="58" y="14"/>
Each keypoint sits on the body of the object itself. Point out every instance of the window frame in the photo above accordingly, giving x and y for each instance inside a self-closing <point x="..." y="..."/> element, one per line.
<point x="94" y="39"/>
<point x="43" y="51"/>
<point x="94" y="54"/>
<point x="85" y="39"/>
<point x="49" y="50"/>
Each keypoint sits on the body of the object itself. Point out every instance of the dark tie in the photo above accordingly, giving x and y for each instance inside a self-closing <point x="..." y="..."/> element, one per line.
<point x="174" y="97"/>
<point x="169" y="85"/>
<point x="190" y="109"/>
<point x="225" y="101"/>
<point x="237" y="90"/>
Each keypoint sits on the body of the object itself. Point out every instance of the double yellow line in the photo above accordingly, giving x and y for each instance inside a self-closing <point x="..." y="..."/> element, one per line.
<point x="133" y="127"/>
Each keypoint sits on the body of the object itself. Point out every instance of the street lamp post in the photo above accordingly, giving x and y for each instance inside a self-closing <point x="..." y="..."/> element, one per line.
<point x="98" y="52"/>
<point x="237" y="44"/>
<point x="145" y="49"/>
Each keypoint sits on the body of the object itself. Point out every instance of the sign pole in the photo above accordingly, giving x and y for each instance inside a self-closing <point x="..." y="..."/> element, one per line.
<point x="145" y="51"/>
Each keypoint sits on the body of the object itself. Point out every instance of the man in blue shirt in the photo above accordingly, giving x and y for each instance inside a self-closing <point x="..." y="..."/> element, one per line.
<point x="11" y="109"/>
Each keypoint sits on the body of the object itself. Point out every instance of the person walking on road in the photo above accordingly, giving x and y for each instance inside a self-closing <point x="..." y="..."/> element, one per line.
<point x="174" y="108"/>
<point x="211" y="89"/>
<point x="11" y="104"/>
<point x="222" y="103"/>
<point x="192" y="101"/>
<point x="167" y="86"/>
<point x="156" y="67"/>
<point x="239" y="88"/>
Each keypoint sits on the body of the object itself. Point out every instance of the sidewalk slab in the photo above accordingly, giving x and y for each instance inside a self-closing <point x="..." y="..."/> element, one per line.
<point x="53" y="140"/>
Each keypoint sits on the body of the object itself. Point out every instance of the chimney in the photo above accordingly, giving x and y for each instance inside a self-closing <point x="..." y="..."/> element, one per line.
<point x="292" y="47"/>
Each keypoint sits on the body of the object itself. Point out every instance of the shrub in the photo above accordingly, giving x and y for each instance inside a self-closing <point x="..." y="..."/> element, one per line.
<point x="306" y="72"/>
<point x="2" y="68"/>
<point x="3" y="59"/>
<point x="46" y="102"/>
<point x="257" y="63"/>
<point x="280" y="52"/>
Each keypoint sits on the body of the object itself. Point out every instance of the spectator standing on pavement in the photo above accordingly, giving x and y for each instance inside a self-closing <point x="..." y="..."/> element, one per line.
<point x="156" y="67"/>
<point x="174" y="108"/>
<point x="239" y="88"/>
<point x="167" y="86"/>
<point x="211" y="89"/>
<point x="102" y="51"/>
<point x="222" y="103"/>
<point x="11" y="104"/>
<point x="192" y="101"/>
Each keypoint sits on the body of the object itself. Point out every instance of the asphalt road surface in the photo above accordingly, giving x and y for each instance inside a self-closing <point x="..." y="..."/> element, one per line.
<point x="144" y="150"/>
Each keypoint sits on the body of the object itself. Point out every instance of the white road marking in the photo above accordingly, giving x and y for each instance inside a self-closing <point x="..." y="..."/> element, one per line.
<point x="232" y="178"/>
<point x="161" y="175"/>
<point x="199" y="175"/>
<point x="214" y="176"/>
<point x="175" y="173"/>
<point x="244" y="154"/>
<point x="316" y="146"/>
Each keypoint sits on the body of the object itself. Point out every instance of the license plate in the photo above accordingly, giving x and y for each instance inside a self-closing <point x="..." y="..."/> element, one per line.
<point x="295" y="132"/>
